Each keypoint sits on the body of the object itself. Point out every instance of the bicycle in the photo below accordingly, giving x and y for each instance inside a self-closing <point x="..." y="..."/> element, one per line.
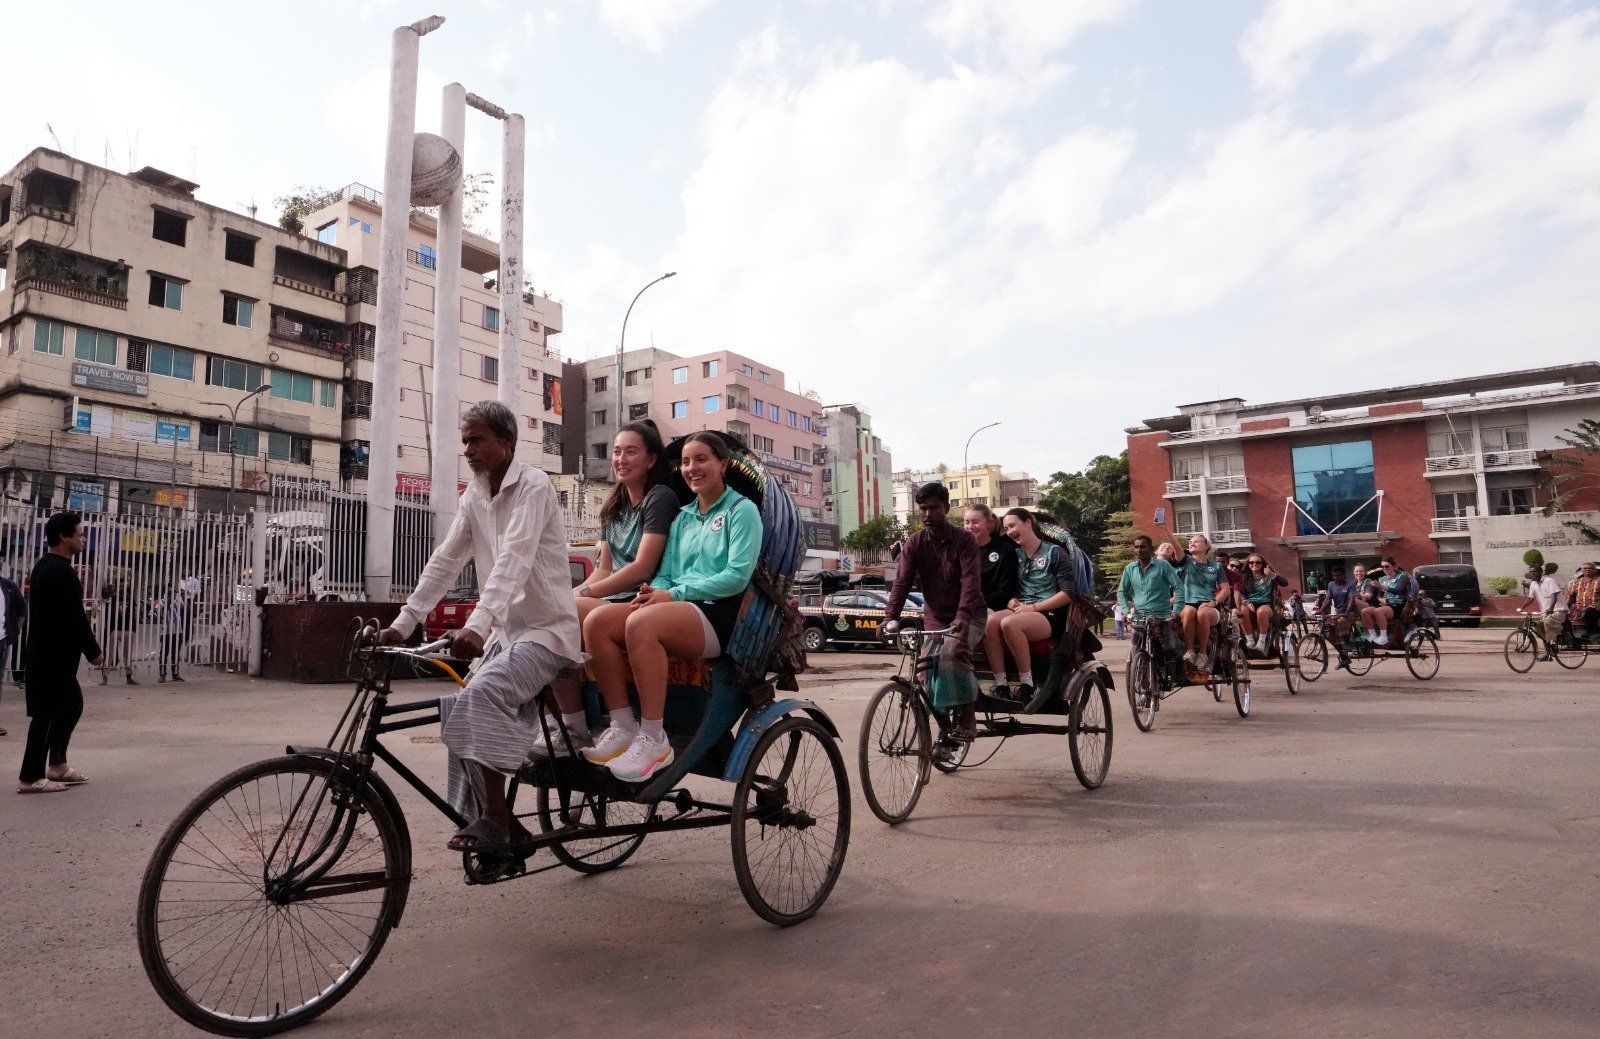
<point x="271" y="895"/>
<point x="896" y="752"/>
<point x="1522" y="645"/>
<point x="1417" y="644"/>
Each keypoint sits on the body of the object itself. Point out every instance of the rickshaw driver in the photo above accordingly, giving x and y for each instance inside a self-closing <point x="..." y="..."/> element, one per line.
<point x="1147" y="588"/>
<point x="944" y="560"/>
<point x="509" y="523"/>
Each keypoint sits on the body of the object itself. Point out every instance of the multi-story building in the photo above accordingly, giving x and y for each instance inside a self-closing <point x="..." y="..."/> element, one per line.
<point x="349" y="219"/>
<point x="975" y="485"/>
<point x="721" y="390"/>
<point x="905" y="484"/>
<point x="1017" y="490"/>
<point x="136" y="321"/>
<point x="1446" y="471"/>
<point x="858" y="480"/>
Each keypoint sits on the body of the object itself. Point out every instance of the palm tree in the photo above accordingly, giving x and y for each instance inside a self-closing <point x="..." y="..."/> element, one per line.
<point x="1576" y="477"/>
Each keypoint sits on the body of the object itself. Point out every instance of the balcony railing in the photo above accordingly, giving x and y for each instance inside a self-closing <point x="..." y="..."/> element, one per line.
<point x="428" y="262"/>
<point x="1215" y="484"/>
<point x="303" y="286"/>
<point x="1204" y="434"/>
<point x="307" y="336"/>
<point x="1444" y="465"/>
<point x="71" y="291"/>
<point x="1182" y="487"/>
<point x="1450" y="525"/>
<point x="1508" y="459"/>
<point x="1230" y="538"/>
<point x="737" y="404"/>
<point x="35" y="209"/>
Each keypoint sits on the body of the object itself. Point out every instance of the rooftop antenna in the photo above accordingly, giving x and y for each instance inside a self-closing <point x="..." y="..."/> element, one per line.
<point x="53" y="137"/>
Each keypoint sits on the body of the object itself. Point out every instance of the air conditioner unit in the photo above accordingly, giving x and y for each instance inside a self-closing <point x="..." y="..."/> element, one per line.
<point x="1491" y="459"/>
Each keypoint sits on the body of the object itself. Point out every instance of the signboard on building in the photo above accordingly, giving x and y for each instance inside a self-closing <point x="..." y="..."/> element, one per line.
<point x="110" y="380"/>
<point x="139" y="428"/>
<point x="300" y="486"/>
<point x="93" y="419"/>
<point x="821" y="536"/>
<point x="171" y="432"/>
<point x="412" y="484"/>
<point x="86" y="496"/>
<point x="774" y="462"/>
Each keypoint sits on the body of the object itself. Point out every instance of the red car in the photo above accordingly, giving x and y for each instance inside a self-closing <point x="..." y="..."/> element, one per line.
<point x="456" y="607"/>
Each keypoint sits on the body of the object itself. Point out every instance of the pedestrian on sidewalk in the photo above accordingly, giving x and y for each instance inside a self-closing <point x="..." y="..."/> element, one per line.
<point x="58" y="635"/>
<point x="177" y="621"/>
<point x="1121" y="616"/>
<point x="12" y="607"/>
<point x="121" y="620"/>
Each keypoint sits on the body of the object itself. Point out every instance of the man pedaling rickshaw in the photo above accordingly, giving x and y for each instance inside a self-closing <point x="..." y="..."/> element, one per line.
<point x="1147" y="588"/>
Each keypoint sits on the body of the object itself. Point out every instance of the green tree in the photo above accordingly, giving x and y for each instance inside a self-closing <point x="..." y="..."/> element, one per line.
<point x="1116" y="552"/>
<point x="871" y="540"/>
<point x="1085" y="502"/>
<point x="294" y="206"/>
<point x="1575" y="475"/>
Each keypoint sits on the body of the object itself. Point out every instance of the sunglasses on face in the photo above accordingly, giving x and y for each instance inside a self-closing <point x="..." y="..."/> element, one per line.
<point x="1258" y="562"/>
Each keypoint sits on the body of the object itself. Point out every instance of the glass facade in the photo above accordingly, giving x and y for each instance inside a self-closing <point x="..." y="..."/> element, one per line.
<point x="1334" y="483"/>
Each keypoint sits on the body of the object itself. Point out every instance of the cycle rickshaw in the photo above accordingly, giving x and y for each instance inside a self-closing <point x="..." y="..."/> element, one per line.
<point x="898" y="749"/>
<point x="1156" y="669"/>
<point x="1524" y="645"/>
<point x="271" y="895"/>
<point x="1413" y="638"/>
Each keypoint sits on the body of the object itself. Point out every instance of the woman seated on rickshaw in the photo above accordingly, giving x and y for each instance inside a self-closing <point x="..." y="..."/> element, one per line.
<point x="997" y="557"/>
<point x="1367" y="597"/>
<point x="1398" y="591"/>
<point x="634" y="523"/>
<point x="1045" y="584"/>
<point x="687" y="611"/>
<point x="1203" y="587"/>
<point x="1258" y="593"/>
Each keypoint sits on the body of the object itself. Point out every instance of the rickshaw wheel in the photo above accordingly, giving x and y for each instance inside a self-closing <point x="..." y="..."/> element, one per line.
<point x="894" y="752"/>
<point x="228" y="951"/>
<point x="1360" y="660"/>
<point x="1311" y="653"/>
<point x="1520" y="651"/>
<point x="1289" y="659"/>
<point x="1143" y="696"/>
<point x="1241" y="681"/>
<point x="1422" y="656"/>
<point x="1089" y="733"/>
<point x="791" y="821"/>
<point x="1570" y="656"/>
<point x="597" y="854"/>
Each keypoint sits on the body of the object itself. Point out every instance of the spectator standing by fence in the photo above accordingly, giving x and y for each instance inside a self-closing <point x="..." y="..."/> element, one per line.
<point x="59" y="634"/>
<point x="12" y="607"/>
<point x="121" y="619"/>
<point x="177" y="620"/>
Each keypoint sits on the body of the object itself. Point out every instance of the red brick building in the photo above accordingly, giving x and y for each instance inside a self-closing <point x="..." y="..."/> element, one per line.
<point x="1438" y="472"/>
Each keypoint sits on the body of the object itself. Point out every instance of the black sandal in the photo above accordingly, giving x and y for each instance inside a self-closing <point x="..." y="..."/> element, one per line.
<point x="485" y="835"/>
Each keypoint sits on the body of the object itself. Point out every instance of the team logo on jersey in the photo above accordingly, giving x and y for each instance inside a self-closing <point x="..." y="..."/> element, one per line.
<point x="717" y="522"/>
<point x="994" y="557"/>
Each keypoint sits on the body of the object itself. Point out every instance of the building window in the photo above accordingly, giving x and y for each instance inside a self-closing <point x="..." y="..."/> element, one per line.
<point x="1186" y="521"/>
<point x="774" y="413"/>
<point x="638" y="411"/>
<point x="805" y="423"/>
<point x="599" y="450"/>
<point x="1455" y="504"/>
<point x="1236" y="518"/>
<point x="680" y="409"/>
<point x="99" y="347"/>
<point x="1187" y="468"/>
<point x="680" y="375"/>
<point x="491" y="319"/>
<point x="330" y="394"/>
<point x="217" y="436"/>
<point x="630" y="378"/>
<point x="328" y="233"/>
<point x="170" y="227"/>
<point x="1511" y="501"/>
<point x="711" y="369"/>
<point x="599" y="384"/>
<point x="292" y="386"/>
<point x="712" y="403"/>
<point x="1505" y="438"/>
<point x="533" y="423"/>
<point x="748" y="371"/>
<point x="1227" y="465"/>
<point x="805" y="487"/>
<point x="801" y="455"/>
<point x="236" y="311"/>
<point x="649" y="372"/>
<point x="763" y="443"/>
<point x="794" y="420"/>
<point x="491" y="369"/>
<point x="1449" y="442"/>
<point x="1334" y="487"/>
<point x="286" y="447"/>
<point x="238" y="248"/>
<point x="172" y="361"/>
<point x="1464" y="558"/>
<point x="166" y="292"/>
<point x="552" y="438"/>
<point x="428" y="256"/>
<point x="600" y="417"/>
<point x="235" y="375"/>
<point x="759" y="407"/>
<point x="764" y="377"/>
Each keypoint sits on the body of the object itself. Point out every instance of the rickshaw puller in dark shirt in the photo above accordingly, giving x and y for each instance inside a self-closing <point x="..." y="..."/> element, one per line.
<point x="944" y="560"/>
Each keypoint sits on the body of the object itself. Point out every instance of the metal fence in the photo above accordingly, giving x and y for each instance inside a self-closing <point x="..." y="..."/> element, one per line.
<point x="316" y="546"/>
<point x="133" y="569"/>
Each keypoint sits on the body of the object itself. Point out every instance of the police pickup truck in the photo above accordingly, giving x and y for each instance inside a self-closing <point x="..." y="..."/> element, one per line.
<point x="851" y="619"/>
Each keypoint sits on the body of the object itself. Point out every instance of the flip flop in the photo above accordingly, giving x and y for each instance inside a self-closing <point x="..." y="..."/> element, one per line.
<point x="484" y="835"/>
<point x="41" y="786"/>
<point x="71" y="777"/>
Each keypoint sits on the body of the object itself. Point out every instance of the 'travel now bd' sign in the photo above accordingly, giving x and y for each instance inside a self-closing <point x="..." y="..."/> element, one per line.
<point x="111" y="380"/>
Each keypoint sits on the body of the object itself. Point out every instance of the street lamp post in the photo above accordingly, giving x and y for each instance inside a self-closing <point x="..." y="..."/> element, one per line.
<point x="233" y="432"/>
<point x="966" y="449"/>
<point x="622" y="341"/>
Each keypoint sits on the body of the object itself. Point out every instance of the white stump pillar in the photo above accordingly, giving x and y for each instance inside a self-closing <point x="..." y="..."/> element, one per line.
<point x="258" y="571"/>
<point x="447" y="328"/>
<point x="511" y="374"/>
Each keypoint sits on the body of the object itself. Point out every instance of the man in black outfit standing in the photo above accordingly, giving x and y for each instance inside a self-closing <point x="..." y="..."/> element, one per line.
<point x="58" y="633"/>
<point x="12" y="605"/>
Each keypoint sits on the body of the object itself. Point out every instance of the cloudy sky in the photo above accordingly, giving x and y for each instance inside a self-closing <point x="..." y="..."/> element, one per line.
<point x="1064" y="215"/>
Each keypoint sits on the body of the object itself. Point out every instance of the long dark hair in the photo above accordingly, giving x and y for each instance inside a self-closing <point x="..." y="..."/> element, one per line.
<point x="617" y="502"/>
<point x="1027" y="517"/>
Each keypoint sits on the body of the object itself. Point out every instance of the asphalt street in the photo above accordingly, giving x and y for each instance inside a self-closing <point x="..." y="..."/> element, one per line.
<point x="1373" y="857"/>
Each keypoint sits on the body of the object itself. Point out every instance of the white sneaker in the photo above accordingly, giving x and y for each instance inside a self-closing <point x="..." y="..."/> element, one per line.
<point x="643" y="759"/>
<point x="557" y="747"/>
<point x="611" y="744"/>
<point x="1381" y="639"/>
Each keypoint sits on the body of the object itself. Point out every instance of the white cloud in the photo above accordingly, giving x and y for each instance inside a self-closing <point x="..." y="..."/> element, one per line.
<point x="648" y="23"/>
<point x="1280" y="47"/>
<point x="1024" y="31"/>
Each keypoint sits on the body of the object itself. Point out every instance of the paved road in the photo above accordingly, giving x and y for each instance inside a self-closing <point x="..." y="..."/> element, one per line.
<point x="1375" y="857"/>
